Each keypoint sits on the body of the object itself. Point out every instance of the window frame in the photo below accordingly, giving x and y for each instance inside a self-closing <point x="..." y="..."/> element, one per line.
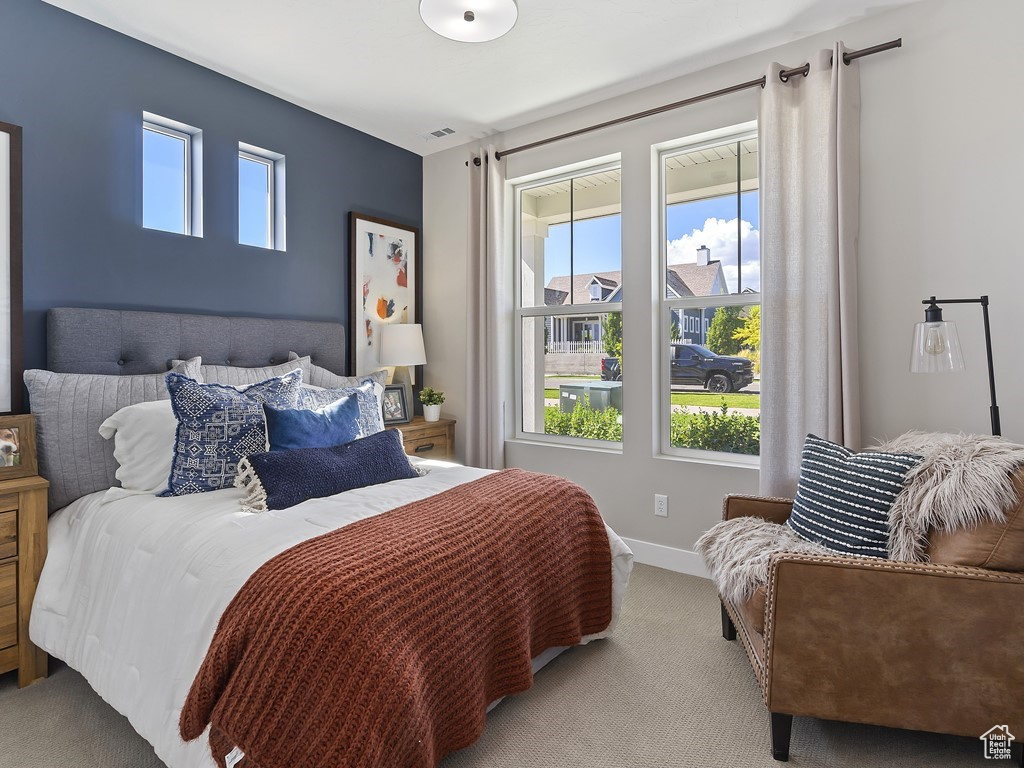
<point x="666" y="305"/>
<point x="275" y="164"/>
<point x="192" y="139"/>
<point x="519" y="312"/>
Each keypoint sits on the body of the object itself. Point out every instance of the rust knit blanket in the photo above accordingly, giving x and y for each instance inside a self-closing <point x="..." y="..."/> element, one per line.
<point x="381" y="644"/>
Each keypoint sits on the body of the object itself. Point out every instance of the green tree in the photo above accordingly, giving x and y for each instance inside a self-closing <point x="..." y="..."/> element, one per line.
<point x="675" y="332"/>
<point x="724" y="324"/>
<point x="611" y="333"/>
<point x="749" y="334"/>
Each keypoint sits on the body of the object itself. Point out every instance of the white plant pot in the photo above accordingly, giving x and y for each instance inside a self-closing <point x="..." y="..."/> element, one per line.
<point x="431" y="412"/>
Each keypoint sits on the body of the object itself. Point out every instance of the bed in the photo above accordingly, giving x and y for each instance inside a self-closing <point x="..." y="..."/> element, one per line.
<point x="134" y="586"/>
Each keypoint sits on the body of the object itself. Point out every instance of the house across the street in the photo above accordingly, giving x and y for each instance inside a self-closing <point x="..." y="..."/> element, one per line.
<point x="582" y="335"/>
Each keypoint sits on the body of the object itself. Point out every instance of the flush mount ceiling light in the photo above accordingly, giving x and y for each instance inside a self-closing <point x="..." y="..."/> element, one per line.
<point x="469" y="21"/>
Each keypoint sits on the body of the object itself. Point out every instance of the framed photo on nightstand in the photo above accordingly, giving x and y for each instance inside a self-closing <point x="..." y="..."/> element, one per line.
<point x="17" y="446"/>
<point x="395" y="408"/>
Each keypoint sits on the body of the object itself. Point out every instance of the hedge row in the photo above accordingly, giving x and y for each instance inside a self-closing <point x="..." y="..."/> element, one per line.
<point x="714" y="431"/>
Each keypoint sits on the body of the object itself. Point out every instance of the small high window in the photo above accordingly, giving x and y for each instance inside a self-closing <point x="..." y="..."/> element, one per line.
<point x="172" y="176"/>
<point x="261" y="198"/>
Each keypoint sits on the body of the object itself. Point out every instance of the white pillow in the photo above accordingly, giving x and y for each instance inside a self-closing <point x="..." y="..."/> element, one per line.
<point x="143" y="445"/>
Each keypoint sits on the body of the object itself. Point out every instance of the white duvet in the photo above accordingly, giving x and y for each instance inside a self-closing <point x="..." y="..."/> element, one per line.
<point x="134" y="585"/>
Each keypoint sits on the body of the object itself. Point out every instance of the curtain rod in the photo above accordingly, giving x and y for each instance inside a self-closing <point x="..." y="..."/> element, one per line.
<point x="784" y="75"/>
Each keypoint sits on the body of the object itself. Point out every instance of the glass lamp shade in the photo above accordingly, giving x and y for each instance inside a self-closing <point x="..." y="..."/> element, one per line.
<point x="402" y="344"/>
<point x="936" y="349"/>
<point x="469" y="21"/>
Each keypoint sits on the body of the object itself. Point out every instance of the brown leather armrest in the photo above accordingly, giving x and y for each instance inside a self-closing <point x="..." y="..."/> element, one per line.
<point x="770" y="508"/>
<point x="908" y="645"/>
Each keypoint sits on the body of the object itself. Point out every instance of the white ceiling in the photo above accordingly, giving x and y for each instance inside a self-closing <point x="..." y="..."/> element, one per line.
<point x="373" y="65"/>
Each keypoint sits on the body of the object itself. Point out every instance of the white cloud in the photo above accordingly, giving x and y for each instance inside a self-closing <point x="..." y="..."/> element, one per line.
<point x="720" y="236"/>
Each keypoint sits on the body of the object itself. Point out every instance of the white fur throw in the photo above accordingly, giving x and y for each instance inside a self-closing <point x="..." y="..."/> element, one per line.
<point x="964" y="480"/>
<point x="738" y="553"/>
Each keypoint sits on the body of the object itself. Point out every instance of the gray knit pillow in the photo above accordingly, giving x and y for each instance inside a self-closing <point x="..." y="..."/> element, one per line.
<point x="69" y="408"/>
<point x="321" y="377"/>
<point x="236" y="376"/>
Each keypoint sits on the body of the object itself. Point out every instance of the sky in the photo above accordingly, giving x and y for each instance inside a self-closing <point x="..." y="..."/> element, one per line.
<point x="163" y="182"/>
<point x="712" y="222"/>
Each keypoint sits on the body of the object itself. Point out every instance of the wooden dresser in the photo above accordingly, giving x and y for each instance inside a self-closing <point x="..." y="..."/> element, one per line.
<point x="428" y="439"/>
<point x="22" y="551"/>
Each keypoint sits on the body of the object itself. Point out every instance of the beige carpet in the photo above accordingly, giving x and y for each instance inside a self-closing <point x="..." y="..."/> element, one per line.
<point x="666" y="692"/>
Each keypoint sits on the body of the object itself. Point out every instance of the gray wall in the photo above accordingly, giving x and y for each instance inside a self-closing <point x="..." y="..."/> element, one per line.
<point x="79" y="89"/>
<point x="940" y="198"/>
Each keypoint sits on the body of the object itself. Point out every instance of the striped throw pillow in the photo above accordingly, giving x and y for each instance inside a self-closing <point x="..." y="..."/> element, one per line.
<point x="843" y="497"/>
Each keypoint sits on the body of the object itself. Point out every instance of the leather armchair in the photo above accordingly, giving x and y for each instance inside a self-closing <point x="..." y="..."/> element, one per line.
<point x="906" y="645"/>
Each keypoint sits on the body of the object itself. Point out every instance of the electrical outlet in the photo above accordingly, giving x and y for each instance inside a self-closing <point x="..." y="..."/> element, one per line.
<point x="660" y="505"/>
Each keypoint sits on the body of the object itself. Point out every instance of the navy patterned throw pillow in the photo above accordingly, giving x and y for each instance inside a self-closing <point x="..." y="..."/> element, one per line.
<point x="369" y="420"/>
<point x="218" y="426"/>
<point x="282" y="479"/>
<point x="843" y="498"/>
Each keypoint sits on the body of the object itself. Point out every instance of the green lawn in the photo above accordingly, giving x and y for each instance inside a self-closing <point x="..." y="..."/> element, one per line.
<point x="709" y="399"/>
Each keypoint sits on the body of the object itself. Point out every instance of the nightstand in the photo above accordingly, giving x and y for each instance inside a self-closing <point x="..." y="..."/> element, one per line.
<point x="22" y="551"/>
<point x="428" y="439"/>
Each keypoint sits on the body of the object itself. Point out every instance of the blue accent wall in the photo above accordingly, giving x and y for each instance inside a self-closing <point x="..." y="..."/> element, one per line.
<point x="79" y="90"/>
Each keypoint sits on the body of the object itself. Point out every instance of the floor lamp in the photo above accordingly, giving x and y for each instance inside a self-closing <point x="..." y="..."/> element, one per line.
<point x="937" y="346"/>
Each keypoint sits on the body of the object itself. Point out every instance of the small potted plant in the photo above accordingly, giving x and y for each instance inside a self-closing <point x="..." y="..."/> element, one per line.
<point x="431" y="399"/>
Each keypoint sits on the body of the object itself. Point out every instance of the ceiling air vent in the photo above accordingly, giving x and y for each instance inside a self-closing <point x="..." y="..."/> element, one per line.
<point x="440" y="133"/>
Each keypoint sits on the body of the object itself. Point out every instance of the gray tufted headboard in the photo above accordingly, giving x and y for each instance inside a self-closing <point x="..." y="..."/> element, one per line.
<point x="123" y="342"/>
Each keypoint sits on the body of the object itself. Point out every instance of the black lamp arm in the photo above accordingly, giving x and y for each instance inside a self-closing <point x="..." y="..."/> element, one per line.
<point x="932" y="314"/>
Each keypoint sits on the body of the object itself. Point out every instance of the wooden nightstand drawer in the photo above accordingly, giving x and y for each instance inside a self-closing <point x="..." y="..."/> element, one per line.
<point x="8" y="584"/>
<point x="8" y="534"/>
<point x="429" y="446"/>
<point x="8" y="625"/>
<point x="8" y="605"/>
<point x="428" y="439"/>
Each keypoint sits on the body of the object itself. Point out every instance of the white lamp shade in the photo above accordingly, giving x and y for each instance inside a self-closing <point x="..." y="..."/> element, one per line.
<point x="402" y="344"/>
<point x="936" y="349"/>
<point x="469" y="21"/>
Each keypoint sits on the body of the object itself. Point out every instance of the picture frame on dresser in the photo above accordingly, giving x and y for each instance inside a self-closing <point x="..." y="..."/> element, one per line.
<point x="17" y="446"/>
<point x="386" y="286"/>
<point x="11" y="234"/>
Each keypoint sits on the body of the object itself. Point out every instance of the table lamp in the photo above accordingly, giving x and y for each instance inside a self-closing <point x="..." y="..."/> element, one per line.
<point x="401" y="346"/>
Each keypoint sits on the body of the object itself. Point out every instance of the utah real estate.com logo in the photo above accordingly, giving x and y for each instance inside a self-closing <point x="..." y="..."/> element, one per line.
<point x="997" y="742"/>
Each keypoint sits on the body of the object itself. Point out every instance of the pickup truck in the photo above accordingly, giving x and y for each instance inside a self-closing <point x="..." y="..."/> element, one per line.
<point x="694" y="364"/>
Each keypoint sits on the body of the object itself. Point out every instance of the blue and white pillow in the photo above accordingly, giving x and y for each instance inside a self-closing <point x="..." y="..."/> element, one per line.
<point x="367" y="394"/>
<point x="218" y="426"/>
<point x="843" y="498"/>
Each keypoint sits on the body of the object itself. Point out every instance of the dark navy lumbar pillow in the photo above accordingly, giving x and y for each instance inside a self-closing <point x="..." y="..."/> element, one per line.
<point x="282" y="479"/>
<point x="843" y="498"/>
<point x="218" y="426"/>
<point x="289" y="429"/>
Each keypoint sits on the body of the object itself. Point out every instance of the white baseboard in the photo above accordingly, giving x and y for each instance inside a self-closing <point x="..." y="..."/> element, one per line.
<point x="669" y="558"/>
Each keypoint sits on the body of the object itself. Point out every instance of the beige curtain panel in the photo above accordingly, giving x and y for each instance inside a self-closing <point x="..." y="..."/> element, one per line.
<point x="809" y="131"/>
<point x="486" y="353"/>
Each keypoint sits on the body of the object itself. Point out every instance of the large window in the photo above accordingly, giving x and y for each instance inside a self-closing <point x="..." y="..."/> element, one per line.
<point x="711" y="311"/>
<point x="569" y="306"/>
<point x="261" y="197"/>
<point x="172" y="171"/>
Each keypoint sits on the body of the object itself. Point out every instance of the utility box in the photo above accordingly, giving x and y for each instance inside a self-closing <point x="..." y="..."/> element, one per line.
<point x="603" y="395"/>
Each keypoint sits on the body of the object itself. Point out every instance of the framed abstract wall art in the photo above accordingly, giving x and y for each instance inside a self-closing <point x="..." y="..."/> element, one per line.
<point x="10" y="269"/>
<point x="385" y="264"/>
